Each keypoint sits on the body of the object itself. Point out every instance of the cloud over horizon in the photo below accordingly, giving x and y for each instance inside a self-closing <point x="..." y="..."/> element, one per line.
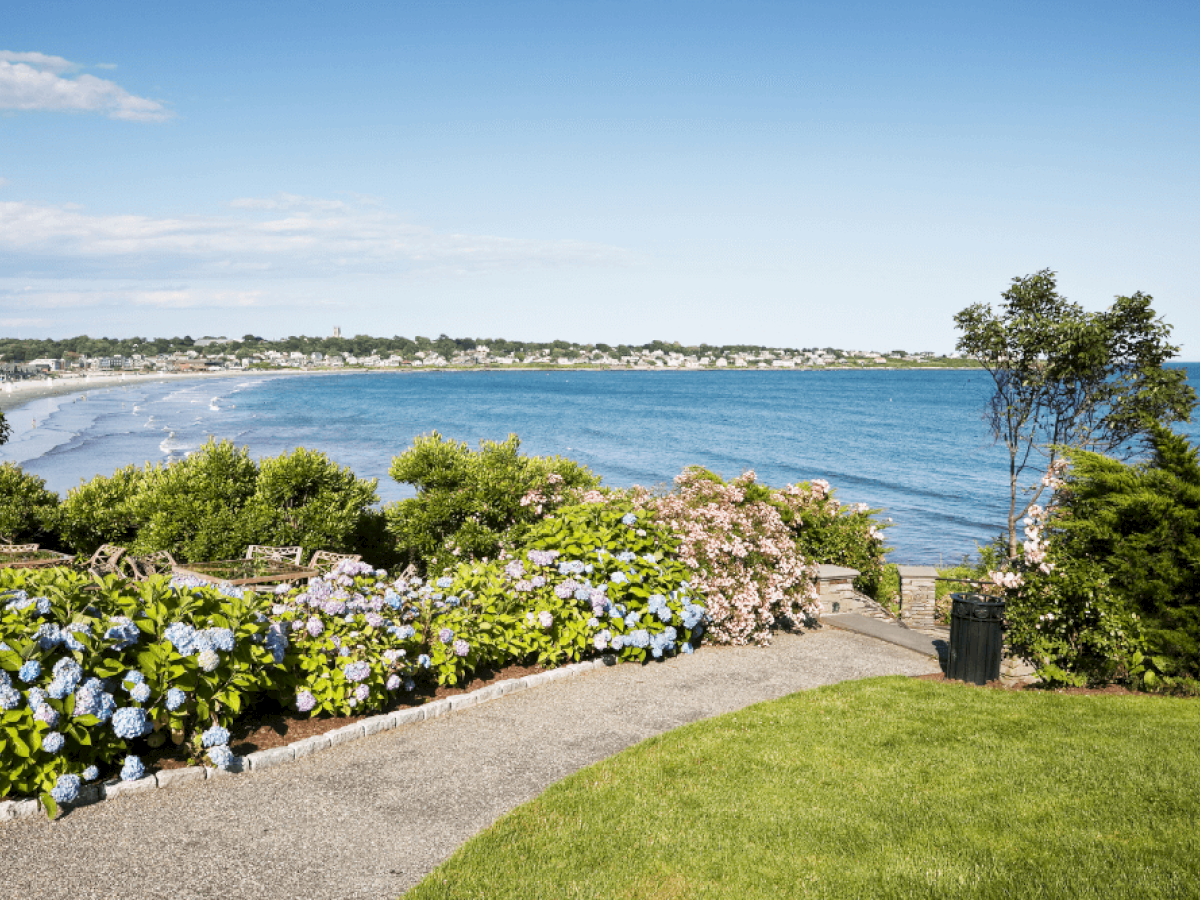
<point x="281" y="236"/>
<point x="38" y="81"/>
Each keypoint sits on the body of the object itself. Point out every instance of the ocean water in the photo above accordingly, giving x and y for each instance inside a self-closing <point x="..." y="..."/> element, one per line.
<point x="912" y="442"/>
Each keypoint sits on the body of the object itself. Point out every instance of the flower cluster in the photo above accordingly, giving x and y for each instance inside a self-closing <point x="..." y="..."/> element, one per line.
<point x="742" y="555"/>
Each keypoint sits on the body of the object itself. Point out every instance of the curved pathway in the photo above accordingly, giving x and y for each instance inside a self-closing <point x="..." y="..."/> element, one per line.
<point x="371" y="818"/>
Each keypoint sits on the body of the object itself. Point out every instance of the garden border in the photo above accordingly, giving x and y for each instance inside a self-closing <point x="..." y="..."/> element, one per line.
<point x="261" y="760"/>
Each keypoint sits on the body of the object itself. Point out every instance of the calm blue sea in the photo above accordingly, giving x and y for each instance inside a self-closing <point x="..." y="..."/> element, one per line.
<point x="910" y="441"/>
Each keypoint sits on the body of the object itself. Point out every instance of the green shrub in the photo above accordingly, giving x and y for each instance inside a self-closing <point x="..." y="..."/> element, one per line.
<point x="28" y="512"/>
<point x="830" y="532"/>
<point x="214" y="503"/>
<point x="468" y="502"/>
<point x="1141" y="525"/>
<point x="305" y="499"/>
<point x="102" y="511"/>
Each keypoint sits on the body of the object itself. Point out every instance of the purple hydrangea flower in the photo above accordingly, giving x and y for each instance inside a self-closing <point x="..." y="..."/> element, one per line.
<point x="461" y="648"/>
<point x="515" y="569"/>
<point x="393" y="682"/>
<point x="315" y="626"/>
<point x="357" y="671"/>
<point x="545" y="618"/>
<point x="305" y="701"/>
<point x="46" y="713"/>
<point x="362" y="692"/>
<point x="445" y="635"/>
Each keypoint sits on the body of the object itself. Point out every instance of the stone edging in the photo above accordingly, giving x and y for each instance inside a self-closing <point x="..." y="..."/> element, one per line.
<point x="261" y="760"/>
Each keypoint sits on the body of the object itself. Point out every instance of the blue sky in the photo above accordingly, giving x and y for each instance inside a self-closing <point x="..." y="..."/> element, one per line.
<point x="845" y="174"/>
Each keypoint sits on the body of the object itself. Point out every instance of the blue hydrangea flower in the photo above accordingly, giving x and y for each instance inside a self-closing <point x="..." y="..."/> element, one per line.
<point x="46" y="713"/>
<point x="70" y="631"/>
<point x="43" y="605"/>
<point x="35" y="697"/>
<point x="618" y="641"/>
<point x="223" y="639"/>
<point x="66" y="789"/>
<point x="639" y="638"/>
<point x="208" y="660"/>
<point x="10" y="698"/>
<point x="133" y="676"/>
<point x="276" y="642"/>
<point x="220" y="756"/>
<point x="632" y="619"/>
<point x="423" y="660"/>
<point x="48" y="636"/>
<point x="182" y="637"/>
<point x="130" y="722"/>
<point x="52" y="742"/>
<point x="68" y="671"/>
<point x="29" y="671"/>
<point x="445" y="582"/>
<point x="123" y="633"/>
<point x="92" y="700"/>
<point x="133" y="769"/>
<point x="686" y="647"/>
<point x="91" y="773"/>
<point x="140" y="692"/>
<point x="357" y="671"/>
<point x="618" y="578"/>
<point x="19" y="602"/>
<point x="175" y="699"/>
<point x="215" y="735"/>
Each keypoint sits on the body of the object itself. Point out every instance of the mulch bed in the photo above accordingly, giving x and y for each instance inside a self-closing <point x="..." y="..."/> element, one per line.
<point x="268" y="724"/>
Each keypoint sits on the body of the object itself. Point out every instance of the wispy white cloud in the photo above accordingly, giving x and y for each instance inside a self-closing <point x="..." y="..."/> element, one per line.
<point x="30" y="81"/>
<point x="72" y="296"/>
<point x="280" y="236"/>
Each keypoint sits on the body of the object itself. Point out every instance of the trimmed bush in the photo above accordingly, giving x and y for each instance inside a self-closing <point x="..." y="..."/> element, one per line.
<point x="468" y="502"/>
<point x="28" y="512"/>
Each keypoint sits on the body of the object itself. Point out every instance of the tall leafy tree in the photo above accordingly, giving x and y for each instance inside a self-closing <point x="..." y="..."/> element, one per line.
<point x="1067" y="378"/>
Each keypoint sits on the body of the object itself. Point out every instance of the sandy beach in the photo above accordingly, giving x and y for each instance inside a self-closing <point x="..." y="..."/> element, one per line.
<point x="15" y="394"/>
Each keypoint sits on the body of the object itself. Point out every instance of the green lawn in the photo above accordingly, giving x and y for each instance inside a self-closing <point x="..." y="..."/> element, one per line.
<point x="882" y="788"/>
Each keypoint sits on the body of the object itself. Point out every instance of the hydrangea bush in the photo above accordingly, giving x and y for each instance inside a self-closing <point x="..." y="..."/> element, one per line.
<point x="93" y="670"/>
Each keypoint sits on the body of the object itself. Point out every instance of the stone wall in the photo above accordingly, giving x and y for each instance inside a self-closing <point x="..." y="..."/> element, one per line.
<point x="917" y="595"/>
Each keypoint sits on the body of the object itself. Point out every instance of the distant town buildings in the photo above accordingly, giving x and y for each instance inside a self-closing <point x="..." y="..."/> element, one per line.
<point x="215" y="354"/>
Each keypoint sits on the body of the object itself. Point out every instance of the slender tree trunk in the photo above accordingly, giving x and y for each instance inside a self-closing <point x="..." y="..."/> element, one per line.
<point x="1012" y="507"/>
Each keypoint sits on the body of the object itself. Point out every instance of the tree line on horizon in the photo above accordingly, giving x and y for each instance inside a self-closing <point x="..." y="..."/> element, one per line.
<point x="24" y="349"/>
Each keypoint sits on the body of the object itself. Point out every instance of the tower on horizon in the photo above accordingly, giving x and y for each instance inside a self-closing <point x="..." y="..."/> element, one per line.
<point x="337" y="332"/>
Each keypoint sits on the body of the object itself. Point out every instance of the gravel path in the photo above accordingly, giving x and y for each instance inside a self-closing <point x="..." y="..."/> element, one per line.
<point x="370" y="818"/>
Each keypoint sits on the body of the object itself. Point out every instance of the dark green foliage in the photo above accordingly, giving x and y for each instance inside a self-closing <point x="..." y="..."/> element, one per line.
<point x="303" y="498"/>
<point x="5" y="429"/>
<point x="1141" y="524"/>
<point x="217" y="501"/>
<point x="28" y="511"/>
<point x="469" y="501"/>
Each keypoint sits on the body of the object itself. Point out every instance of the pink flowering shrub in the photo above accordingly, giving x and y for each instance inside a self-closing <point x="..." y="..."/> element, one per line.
<point x="1061" y="613"/>
<point x="742" y="554"/>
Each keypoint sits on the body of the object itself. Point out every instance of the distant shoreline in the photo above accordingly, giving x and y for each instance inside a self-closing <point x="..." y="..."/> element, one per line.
<point x="17" y="394"/>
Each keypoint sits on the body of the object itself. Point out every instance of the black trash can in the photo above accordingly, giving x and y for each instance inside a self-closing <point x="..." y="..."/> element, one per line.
<point x="976" y="638"/>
